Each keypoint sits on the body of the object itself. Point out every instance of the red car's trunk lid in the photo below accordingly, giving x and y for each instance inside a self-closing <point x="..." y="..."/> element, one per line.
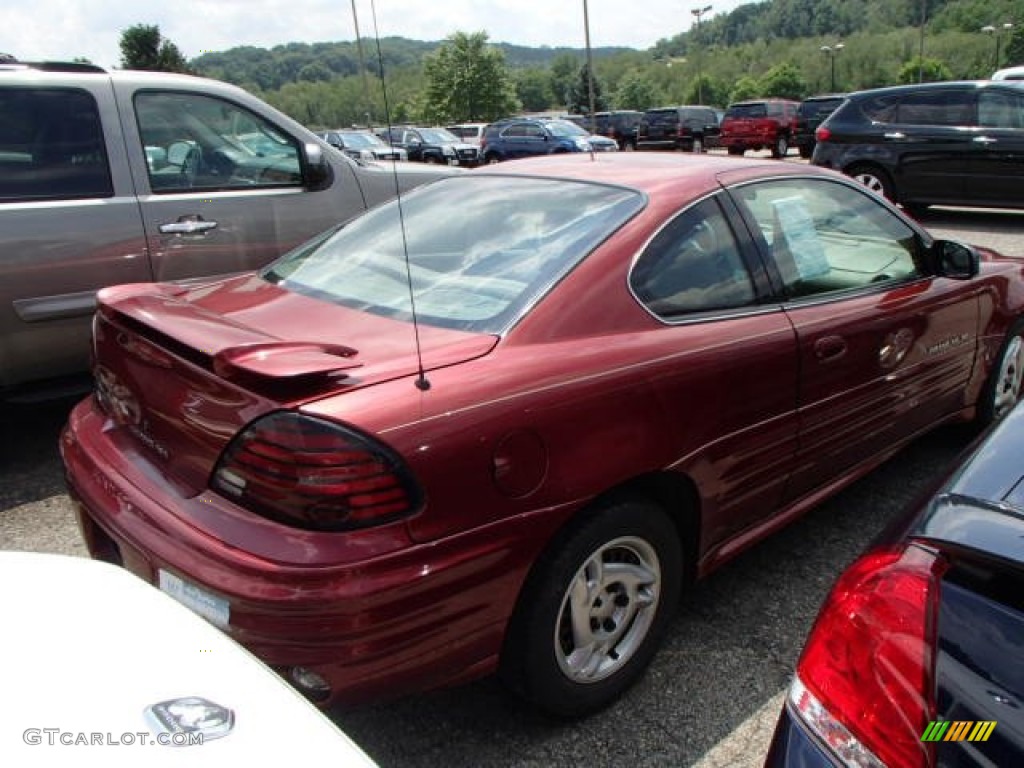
<point x="182" y="370"/>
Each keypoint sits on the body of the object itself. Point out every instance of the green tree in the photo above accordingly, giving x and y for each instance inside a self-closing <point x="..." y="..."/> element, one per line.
<point x="710" y="92"/>
<point x="784" y="81"/>
<point x="636" y="91"/>
<point x="563" y="75"/>
<point x="143" y="47"/>
<point x="746" y="87"/>
<point x="467" y="80"/>
<point x="533" y="87"/>
<point x="924" y="70"/>
<point x="579" y="94"/>
<point x="1014" y="49"/>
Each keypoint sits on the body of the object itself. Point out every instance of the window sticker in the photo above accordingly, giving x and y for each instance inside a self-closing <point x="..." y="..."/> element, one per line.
<point x="795" y="233"/>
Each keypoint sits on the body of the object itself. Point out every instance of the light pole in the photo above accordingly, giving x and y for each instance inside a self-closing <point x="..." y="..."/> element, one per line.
<point x="832" y="51"/>
<point x="920" y="50"/>
<point x="990" y="29"/>
<point x="590" y="64"/>
<point x="698" y="12"/>
<point x="362" y="67"/>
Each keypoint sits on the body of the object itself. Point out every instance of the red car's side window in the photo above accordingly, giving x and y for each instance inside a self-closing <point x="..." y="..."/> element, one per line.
<point x="693" y="265"/>
<point x="824" y="237"/>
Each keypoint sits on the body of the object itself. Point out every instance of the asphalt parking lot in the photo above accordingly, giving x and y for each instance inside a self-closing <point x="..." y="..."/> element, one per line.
<point x="713" y="692"/>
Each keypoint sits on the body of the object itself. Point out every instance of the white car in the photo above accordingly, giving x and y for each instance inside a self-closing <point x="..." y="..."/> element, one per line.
<point x="101" y="668"/>
<point x="1010" y="73"/>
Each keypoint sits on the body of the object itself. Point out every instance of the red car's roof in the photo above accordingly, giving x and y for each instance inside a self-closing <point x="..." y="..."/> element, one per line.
<point x="649" y="171"/>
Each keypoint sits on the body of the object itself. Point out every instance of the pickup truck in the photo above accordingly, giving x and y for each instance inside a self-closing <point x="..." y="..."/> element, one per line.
<point x="124" y="177"/>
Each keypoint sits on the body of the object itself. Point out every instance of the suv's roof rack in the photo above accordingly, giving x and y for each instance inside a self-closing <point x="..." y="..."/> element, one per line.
<point x="9" y="62"/>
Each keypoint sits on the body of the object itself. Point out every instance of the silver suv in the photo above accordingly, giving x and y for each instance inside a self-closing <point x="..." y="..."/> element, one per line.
<point x="121" y="177"/>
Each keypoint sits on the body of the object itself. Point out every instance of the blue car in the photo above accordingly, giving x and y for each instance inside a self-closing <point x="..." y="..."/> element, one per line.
<point x="527" y="137"/>
<point x="917" y="657"/>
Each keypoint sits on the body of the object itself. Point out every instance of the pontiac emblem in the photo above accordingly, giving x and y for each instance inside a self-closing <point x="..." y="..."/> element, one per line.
<point x="117" y="398"/>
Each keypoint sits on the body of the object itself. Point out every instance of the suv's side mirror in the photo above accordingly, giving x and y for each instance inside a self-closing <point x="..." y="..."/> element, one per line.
<point x="318" y="171"/>
<point x="958" y="261"/>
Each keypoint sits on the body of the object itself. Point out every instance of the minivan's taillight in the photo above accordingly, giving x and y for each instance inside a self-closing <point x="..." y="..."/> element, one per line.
<point x="314" y="474"/>
<point x="822" y="134"/>
<point x="865" y="679"/>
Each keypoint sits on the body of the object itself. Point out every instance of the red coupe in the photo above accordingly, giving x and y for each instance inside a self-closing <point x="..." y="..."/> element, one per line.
<point x="426" y="447"/>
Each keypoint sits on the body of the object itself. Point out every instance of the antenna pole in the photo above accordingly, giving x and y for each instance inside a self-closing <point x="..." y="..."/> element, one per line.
<point x="422" y="383"/>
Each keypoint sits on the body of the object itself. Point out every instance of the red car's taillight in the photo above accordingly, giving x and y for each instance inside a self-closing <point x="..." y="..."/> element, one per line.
<point x="315" y="474"/>
<point x="822" y="134"/>
<point x="864" y="681"/>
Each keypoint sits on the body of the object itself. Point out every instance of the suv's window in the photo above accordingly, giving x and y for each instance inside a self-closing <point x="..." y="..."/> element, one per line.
<point x="692" y="265"/>
<point x="817" y="107"/>
<point x="999" y="109"/>
<point x="746" y="110"/>
<point x="563" y="128"/>
<point x="200" y="142"/>
<point x="51" y="145"/>
<point x="826" y="237"/>
<point x="936" y="107"/>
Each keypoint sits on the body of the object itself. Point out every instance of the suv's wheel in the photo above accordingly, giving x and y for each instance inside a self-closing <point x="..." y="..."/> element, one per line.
<point x="492" y="158"/>
<point x="736" y="150"/>
<point x="594" y="609"/>
<point x="806" y="152"/>
<point x="431" y="159"/>
<point x="1003" y="388"/>
<point x="698" y="145"/>
<point x="781" y="148"/>
<point x="629" y="145"/>
<point x="874" y="178"/>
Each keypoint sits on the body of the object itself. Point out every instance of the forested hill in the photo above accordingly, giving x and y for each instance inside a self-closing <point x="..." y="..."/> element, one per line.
<point x="269" y="69"/>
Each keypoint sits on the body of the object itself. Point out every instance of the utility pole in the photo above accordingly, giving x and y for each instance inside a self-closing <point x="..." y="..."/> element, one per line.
<point x="362" y="67"/>
<point x="590" y="64"/>
<point x="698" y="12"/>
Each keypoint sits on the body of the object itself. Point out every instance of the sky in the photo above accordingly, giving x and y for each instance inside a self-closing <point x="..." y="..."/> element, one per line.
<point x="60" y="30"/>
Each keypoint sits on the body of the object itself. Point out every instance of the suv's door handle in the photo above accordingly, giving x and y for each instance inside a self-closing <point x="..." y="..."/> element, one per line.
<point x="191" y="224"/>
<point x="894" y="135"/>
<point x="984" y="140"/>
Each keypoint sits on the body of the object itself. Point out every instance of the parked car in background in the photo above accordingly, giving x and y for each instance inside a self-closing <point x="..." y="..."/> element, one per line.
<point x="122" y="176"/>
<point x="759" y="124"/>
<point x="688" y="351"/>
<point x="147" y="682"/>
<point x="687" y="128"/>
<point x="809" y="115"/>
<point x="948" y="143"/>
<point x="620" y="126"/>
<point x="362" y="145"/>
<point x="518" y="137"/>
<point x="437" y="146"/>
<point x="917" y="656"/>
<point x="1010" y="73"/>
<point x="471" y="133"/>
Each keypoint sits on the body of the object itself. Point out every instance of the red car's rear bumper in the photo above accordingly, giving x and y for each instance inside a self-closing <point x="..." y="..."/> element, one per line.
<point x="408" y="617"/>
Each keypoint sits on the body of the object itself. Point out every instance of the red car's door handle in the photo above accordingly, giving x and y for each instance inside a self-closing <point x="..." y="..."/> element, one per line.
<point x="829" y="348"/>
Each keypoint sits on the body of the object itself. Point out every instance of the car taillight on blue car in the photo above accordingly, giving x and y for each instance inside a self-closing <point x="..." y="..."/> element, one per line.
<point x="864" y="682"/>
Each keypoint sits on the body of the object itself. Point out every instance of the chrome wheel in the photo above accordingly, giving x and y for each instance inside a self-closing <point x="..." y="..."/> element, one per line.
<point x="1007" y="380"/>
<point x="608" y="609"/>
<point x="594" y="608"/>
<point x="698" y="146"/>
<point x="873" y="178"/>
<point x="871" y="181"/>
